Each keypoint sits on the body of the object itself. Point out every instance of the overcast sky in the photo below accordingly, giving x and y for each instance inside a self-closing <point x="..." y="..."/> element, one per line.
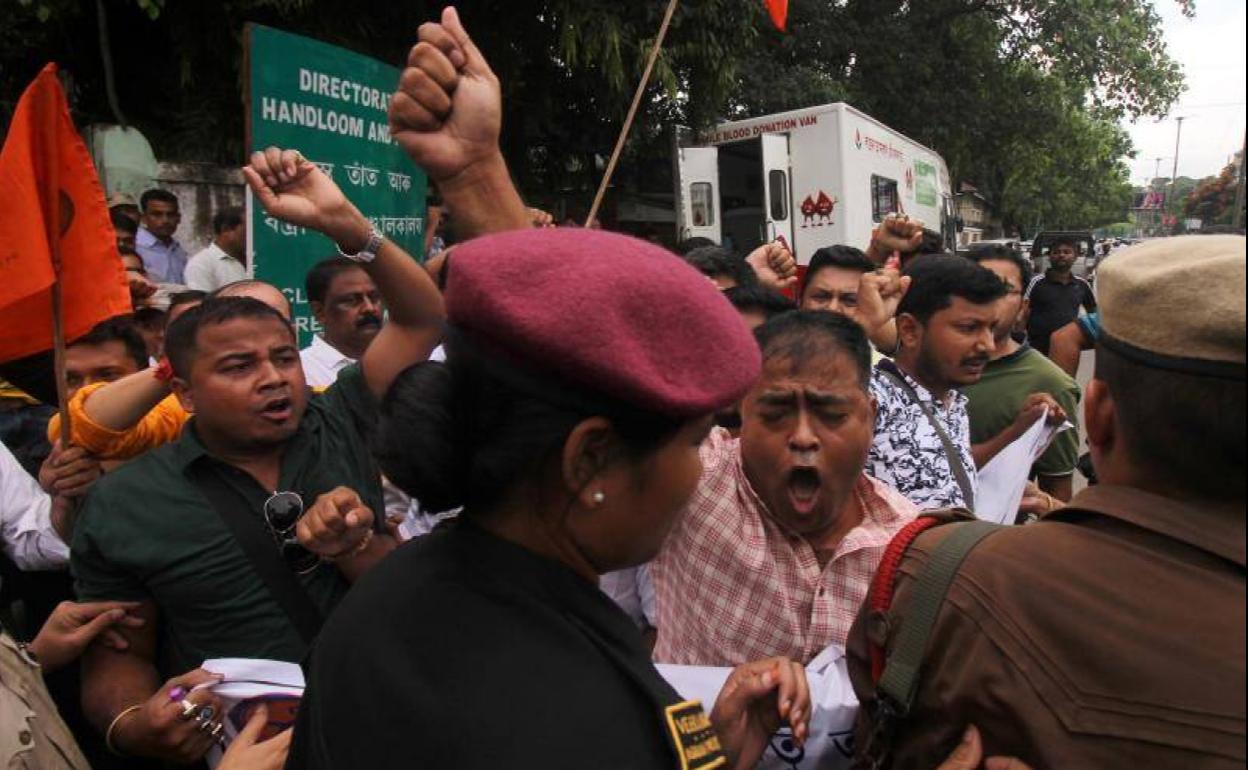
<point x="1211" y="49"/>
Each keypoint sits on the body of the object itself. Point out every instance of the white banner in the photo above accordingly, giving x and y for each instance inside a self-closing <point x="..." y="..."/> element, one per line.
<point x="830" y="745"/>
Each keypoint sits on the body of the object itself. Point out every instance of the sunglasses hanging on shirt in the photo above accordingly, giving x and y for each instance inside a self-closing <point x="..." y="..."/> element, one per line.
<point x="281" y="513"/>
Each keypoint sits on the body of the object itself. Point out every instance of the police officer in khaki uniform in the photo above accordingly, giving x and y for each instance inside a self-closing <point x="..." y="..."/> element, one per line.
<point x="32" y="734"/>
<point x="1111" y="632"/>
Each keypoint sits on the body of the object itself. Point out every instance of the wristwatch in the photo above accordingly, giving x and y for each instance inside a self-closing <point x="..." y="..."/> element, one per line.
<point x="369" y="252"/>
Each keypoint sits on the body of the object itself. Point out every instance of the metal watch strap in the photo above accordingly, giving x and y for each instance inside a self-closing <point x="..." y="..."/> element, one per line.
<point x="369" y="252"/>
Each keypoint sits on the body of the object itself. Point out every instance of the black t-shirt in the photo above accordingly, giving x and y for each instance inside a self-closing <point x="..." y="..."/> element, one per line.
<point x="462" y="650"/>
<point x="1055" y="304"/>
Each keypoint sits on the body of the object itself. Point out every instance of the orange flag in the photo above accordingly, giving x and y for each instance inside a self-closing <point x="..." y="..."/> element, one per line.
<point x="779" y="10"/>
<point x="52" y="205"/>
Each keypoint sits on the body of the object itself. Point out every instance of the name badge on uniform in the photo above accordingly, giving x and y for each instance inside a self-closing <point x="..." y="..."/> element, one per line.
<point x="697" y="746"/>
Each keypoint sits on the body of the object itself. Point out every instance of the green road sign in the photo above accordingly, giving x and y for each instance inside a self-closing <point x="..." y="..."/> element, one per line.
<point x="330" y="104"/>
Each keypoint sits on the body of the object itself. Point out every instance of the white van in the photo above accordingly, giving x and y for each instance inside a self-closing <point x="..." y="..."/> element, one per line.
<point x="813" y="177"/>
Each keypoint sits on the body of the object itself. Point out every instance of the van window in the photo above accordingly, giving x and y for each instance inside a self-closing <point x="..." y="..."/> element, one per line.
<point x="702" y="213"/>
<point x="778" y="193"/>
<point x="883" y="197"/>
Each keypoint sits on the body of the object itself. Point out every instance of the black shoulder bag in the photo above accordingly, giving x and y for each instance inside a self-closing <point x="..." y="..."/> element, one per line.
<point x="234" y="509"/>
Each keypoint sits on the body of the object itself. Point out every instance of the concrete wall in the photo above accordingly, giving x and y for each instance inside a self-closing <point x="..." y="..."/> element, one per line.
<point x="202" y="190"/>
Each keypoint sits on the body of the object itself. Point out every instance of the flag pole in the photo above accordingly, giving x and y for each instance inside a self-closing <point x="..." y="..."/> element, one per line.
<point x="632" y="113"/>
<point x="55" y="228"/>
<point x="58" y="347"/>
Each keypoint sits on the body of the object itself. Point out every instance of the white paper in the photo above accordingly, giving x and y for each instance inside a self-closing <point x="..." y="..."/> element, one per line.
<point x="248" y="681"/>
<point x="834" y="707"/>
<point x="1003" y="480"/>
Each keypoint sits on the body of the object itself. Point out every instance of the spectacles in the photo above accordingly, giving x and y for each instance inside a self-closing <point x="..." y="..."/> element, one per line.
<point x="281" y="513"/>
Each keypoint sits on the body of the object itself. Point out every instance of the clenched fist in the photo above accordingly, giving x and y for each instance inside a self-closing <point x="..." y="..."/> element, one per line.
<point x="336" y="524"/>
<point x="447" y="111"/>
<point x="774" y="265"/>
<point x="896" y="234"/>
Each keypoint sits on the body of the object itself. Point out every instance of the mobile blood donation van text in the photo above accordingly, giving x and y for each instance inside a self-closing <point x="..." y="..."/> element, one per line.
<point x="813" y="177"/>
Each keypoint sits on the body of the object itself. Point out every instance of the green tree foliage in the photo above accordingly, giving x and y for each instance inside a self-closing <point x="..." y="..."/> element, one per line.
<point x="1022" y="97"/>
<point x="568" y="67"/>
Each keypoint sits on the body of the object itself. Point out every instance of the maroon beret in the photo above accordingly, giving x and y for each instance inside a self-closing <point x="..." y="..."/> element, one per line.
<point x="606" y="312"/>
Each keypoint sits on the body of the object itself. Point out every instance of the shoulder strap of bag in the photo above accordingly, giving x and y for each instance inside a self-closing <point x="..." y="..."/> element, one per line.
<point x="960" y="473"/>
<point x="897" y="683"/>
<point x="249" y="533"/>
<point x="901" y="671"/>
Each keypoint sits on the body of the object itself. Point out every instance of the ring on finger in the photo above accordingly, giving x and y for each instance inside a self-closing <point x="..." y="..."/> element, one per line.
<point x="207" y="726"/>
<point x="206" y="714"/>
<point x="189" y="710"/>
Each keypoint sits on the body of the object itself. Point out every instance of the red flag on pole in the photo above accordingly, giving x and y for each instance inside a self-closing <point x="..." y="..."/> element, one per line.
<point x="54" y="225"/>
<point x="779" y="10"/>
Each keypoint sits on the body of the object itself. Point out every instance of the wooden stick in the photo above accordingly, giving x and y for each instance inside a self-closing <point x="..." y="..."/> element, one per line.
<point x="58" y="347"/>
<point x="632" y="113"/>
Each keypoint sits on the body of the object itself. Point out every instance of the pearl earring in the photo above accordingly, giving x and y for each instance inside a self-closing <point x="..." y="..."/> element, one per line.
<point x="599" y="497"/>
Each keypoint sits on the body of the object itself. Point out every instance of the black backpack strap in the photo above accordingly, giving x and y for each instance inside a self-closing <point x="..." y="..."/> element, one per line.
<point x="234" y="509"/>
<point x="960" y="472"/>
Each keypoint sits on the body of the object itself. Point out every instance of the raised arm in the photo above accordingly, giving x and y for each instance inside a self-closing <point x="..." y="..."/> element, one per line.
<point x="123" y="419"/>
<point x="446" y="115"/>
<point x="293" y="189"/>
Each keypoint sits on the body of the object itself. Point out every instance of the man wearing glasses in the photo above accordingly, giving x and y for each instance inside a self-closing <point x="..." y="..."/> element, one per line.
<point x="177" y="529"/>
<point x="1056" y="296"/>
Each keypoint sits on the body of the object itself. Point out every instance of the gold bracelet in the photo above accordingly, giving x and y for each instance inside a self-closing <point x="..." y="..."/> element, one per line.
<point x="356" y="551"/>
<point x="108" y="734"/>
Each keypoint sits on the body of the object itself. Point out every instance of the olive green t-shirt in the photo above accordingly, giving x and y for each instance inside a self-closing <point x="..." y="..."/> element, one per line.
<point x="993" y="403"/>
<point x="147" y="532"/>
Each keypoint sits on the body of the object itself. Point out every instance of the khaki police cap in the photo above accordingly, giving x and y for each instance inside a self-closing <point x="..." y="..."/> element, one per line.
<point x="1177" y="304"/>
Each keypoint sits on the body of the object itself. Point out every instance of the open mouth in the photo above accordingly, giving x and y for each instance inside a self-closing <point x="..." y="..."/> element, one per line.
<point x="804" y="489"/>
<point x="278" y="410"/>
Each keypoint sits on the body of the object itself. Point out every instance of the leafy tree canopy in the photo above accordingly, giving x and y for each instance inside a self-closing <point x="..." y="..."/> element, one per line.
<point x="1022" y="97"/>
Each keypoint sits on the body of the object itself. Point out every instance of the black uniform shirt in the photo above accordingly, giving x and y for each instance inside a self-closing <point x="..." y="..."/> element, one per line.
<point x="462" y="650"/>
<point x="1055" y="304"/>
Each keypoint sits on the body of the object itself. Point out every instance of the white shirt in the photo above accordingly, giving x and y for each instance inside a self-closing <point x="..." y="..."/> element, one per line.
<point x="212" y="268"/>
<point x="26" y="519"/>
<point x="633" y="590"/>
<point x="322" y="362"/>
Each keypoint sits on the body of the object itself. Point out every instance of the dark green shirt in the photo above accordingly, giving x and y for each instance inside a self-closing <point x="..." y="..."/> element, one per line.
<point x="994" y="402"/>
<point x="147" y="532"/>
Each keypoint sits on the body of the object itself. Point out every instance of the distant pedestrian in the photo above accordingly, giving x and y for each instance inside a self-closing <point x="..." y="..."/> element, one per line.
<point x="224" y="261"/>
<point x="162" y="254"/>
<point x="1057" y="295"/>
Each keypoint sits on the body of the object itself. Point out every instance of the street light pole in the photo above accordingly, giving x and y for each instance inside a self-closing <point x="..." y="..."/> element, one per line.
<point x="1174" y="177"/>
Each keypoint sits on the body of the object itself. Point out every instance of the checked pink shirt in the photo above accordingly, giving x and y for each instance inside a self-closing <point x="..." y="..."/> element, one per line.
<point x="733" y="586"/>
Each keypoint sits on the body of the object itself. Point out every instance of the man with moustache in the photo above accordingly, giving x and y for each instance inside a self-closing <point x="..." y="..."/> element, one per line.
<point x="258" y="444"/>
<point x="775" y="551"/>
<point x="945" y="327"/>
<point x="348" y="306"/>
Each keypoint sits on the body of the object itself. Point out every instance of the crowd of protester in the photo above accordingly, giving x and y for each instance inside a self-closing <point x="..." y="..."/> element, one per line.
<point x="486" y="499"/>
